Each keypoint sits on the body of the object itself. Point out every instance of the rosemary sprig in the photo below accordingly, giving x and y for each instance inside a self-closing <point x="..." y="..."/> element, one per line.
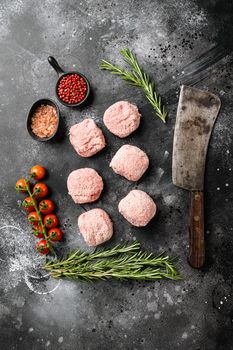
<point x="137" y="77"/>
<point x="124" y="262"/>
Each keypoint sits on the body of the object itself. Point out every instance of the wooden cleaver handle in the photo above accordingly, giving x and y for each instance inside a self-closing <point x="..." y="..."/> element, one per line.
<point x="196" y="230"/>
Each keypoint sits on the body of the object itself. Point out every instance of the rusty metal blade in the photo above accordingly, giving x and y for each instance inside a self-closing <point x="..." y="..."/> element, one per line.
<point x="196" y="115"/>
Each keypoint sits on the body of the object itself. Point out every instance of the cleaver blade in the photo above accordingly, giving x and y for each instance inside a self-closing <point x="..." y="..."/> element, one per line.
<point x="196" y="115"/>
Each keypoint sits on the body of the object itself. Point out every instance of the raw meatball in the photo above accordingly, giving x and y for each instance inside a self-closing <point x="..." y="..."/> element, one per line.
<point x="84" y="185"/>
<point x="86" y="138"/>
<point x="130" y="162"/>
<point x="122" y="118"/>
<point x="96" y="227"/>
<point x="137" y="207"/>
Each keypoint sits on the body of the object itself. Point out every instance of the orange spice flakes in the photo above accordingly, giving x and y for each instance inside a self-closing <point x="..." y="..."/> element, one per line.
<point x="44" y="121"/>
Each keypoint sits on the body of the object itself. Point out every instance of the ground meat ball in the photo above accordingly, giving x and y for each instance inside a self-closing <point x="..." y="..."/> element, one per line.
<point x="86" y="138"/>
<point x="130" y="162"/>
<point x="84" y="185"/>
<point x="96" y="227"/>
<point x="137" y="207"/>
<point x="122" y="118"/>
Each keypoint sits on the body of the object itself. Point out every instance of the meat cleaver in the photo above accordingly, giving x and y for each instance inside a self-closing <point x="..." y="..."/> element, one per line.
<point x="196" y="114"/>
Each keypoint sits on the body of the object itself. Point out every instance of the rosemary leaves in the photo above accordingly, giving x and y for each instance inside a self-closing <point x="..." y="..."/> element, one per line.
<point x="123" y="262"/>
<point x="137" y="77"/>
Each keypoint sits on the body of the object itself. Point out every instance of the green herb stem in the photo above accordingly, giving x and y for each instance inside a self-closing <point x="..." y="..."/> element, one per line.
<point x="120" y="262"/>
<point x="137" y="77"/>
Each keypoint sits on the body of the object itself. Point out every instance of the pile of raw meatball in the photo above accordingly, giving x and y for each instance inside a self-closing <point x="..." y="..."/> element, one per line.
<point x="85" y="185"/>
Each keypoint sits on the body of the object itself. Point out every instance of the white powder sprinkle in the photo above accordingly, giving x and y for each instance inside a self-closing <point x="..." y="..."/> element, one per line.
<point x="152" y="306"/>
<point x="168" y="298"/>
<point x="60" y="339"/>
<point x="157" y="316"/>
<point x="185" y="335"/>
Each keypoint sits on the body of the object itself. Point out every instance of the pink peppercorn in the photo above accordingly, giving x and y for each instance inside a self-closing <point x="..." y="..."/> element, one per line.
<point x="72" y="88"/>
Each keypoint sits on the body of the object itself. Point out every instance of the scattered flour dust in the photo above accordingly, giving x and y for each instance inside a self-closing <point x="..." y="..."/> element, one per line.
<point x="89" y="113"/>
<point x="166" y="155"/>
<point x="168" y="298"/>
<point x="185" y="335"/>
<point x="60" y="339"/>
<point x="18" y="262"/>
<point x="170" y="199"/>
<point x="92" y="113"/>
<point x="152" y="306"/>
<point x="199" y="18"/>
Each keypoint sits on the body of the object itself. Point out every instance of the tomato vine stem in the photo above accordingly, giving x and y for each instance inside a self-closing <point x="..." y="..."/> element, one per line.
<point x="31" y="195"/>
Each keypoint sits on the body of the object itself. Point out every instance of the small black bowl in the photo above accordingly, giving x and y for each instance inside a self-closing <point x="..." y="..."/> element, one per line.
<point x="62" y="74"/>
<point x="43" y="101"/>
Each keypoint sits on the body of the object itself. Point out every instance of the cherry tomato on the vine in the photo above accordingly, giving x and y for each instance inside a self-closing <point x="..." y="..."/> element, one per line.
<point x="38" y="231"/>
<point x="40" y="190"/>
<point x="33" y="217"/>
<point x="55" y="234"/>
<point x="42" y="246"/>
<point x="37" y="172"/>
<point x="50" y="221"/>
<point x="21" y="186"/>
<point x="28" y="205"/>
<point x="46" y="206"/>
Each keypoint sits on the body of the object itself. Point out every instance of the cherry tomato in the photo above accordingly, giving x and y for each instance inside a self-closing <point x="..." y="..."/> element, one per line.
<point x="38" y="231"/>
<point x="33" y="217"/>
<point x="46" y="206"/>
<point x="50" y="221"/>
<point x="40" y="190"/>
<point x="28" y="205"/>
<point x="37" y="172"/>
<point x="55" y="234"/>
<point x="21" y="186"/>
<point x="42" y="247"/>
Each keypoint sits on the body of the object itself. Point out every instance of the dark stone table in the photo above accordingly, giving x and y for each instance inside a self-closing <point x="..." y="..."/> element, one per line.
<point x="176" y="42"/>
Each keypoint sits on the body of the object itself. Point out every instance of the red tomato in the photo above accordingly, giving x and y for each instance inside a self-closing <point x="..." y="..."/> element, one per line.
<point x="55" y="234"/>
<point x="28" y="205"/>
<point x="40" y="190"/>
<point x="50" y="221"/>
<point x="33" y="217"/>
<point x="37" y="172"/>
<point x="42" y="247"/>
<point x="21" y="186"/>
<point x="46" y="206"/>
<point x="38" y="231"/>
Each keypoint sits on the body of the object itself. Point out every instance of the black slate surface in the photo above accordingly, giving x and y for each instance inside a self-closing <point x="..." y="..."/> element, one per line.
<point x="176" y="42"/>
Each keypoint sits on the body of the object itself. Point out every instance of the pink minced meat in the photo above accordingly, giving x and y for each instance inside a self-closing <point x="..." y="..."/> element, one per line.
<point x="137" y="207"/>
<point x="86" y="138"/>
<point x="130" y="162"/>
<point x="122" y="118"/>
<point x="96" y="227"/>
<point x="85" y="185"/>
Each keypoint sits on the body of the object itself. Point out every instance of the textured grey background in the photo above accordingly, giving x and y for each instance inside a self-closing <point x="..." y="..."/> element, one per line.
<point x="176" y="42"/>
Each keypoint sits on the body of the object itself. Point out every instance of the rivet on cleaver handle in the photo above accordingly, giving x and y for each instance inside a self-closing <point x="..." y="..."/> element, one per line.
<point x="196" y="114"/>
